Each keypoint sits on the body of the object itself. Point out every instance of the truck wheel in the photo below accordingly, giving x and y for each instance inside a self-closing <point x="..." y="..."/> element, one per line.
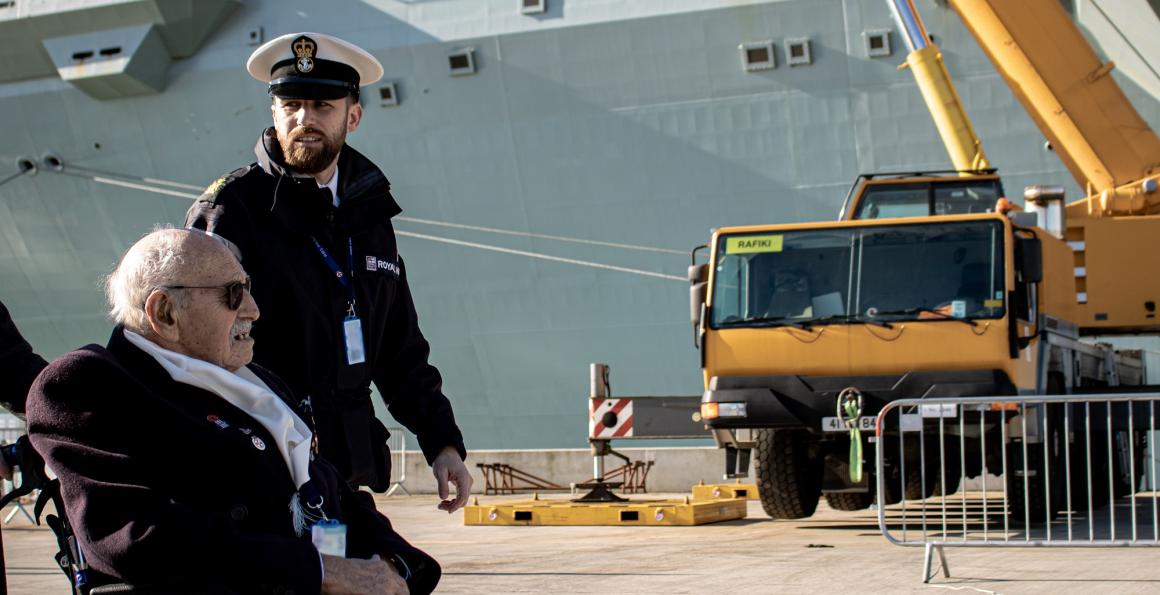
<point x="1097" y="496"/>
<point x="944" y="464"/>
<point x="789" y="478"/>
<point x="1028" y="500"/>
<point x="1034" y="506"/>
<point x="893" y="492"/>
<point x="953" y="467"/>
<point x="892" y="486"/>
<point x="1103" y="489"/>
<point x="1102" y="452"/>
<point x="1124" y="484"/>
<point x="849" y="500"/>
<point x="914" y="488"/>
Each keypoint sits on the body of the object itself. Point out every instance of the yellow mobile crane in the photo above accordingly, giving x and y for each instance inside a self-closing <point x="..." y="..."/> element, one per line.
<point x="925" y="288"/>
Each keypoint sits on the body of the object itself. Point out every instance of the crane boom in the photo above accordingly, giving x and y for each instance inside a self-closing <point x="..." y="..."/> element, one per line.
<point x="1108" y="148"/>
<point x="934" y="82"/>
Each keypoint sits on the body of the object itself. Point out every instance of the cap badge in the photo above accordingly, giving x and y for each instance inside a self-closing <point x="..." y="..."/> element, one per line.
<point x="304" y="49"/>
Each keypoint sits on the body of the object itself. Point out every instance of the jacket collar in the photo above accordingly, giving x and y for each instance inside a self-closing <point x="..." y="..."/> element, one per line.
<point x="145" y="370"/>
<point x="130" y="357"/>
<point x="149" y="372"/>
<point x="269" y="154"/>
<point x="365" y="191"/>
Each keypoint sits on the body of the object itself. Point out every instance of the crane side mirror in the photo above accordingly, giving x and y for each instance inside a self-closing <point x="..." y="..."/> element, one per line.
<point x="698" y="273"/>
<point x="1029" y="259"/>
<point x="698" y="292"/>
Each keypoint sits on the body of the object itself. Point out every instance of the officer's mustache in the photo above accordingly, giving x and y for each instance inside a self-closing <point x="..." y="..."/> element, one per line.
<point x="304" y="131"/>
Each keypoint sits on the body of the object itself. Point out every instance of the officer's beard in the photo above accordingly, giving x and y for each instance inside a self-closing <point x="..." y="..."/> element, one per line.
<point x="306" y="159"/>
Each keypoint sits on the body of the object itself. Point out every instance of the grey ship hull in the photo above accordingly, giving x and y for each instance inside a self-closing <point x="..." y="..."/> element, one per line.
<point x="643" y="132"/>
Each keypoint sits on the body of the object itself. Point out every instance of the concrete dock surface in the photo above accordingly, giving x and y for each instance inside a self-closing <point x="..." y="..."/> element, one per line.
<point x="833" y="552"/>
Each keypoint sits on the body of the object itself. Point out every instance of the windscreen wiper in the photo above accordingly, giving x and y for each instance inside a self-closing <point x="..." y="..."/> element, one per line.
<point x="767" y="321"/>
<point x="940" y="314"/>
<point x="846" y="318"/>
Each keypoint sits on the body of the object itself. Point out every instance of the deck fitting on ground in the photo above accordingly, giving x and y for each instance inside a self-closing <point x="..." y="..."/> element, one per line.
<point x="673" y="513"/>
<point x="725" y="491"/>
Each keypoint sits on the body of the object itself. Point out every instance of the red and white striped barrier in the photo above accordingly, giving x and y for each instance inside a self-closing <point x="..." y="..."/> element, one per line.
<point x="610" y="418"/>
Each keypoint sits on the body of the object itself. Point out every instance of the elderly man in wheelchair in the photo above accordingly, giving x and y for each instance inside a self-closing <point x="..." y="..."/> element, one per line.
<point x="182" y="467"/>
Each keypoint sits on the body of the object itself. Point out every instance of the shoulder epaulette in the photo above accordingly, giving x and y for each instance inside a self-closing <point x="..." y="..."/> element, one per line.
<point x="211" y="192"/>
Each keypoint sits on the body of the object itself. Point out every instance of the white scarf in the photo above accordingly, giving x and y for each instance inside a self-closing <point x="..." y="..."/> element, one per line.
<point x="244" y="390"/>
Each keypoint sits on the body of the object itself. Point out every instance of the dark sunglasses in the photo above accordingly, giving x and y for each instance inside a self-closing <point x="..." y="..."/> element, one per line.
<point x="235" y="291"/>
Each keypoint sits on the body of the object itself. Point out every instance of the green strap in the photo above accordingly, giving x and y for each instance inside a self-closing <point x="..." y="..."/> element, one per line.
<point x="851" y="421"/>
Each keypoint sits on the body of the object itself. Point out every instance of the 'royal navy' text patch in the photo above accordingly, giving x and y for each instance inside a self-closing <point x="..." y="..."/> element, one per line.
<point x="378" y="264"/>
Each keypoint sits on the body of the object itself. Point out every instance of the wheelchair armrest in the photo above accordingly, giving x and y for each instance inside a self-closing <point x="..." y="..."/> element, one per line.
<point x="113" y="588"/>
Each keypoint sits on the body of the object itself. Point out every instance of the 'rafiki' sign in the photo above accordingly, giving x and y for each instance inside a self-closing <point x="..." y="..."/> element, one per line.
<point x="751" y="244"/>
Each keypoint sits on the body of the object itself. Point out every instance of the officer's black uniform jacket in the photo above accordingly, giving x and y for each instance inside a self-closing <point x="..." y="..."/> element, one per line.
<point x="271" y="216"/>
<point x="19" y="365"/>
<point x="171" y="488"/>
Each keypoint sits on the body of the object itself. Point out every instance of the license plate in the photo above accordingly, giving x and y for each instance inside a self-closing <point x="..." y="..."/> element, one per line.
<point x="833" y="424"/>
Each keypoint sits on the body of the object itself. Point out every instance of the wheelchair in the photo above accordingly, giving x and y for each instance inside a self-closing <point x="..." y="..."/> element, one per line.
<point x="70" y="559"/>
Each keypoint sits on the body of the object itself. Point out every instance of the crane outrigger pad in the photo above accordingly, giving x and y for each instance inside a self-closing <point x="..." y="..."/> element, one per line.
<point x="725" y="491"/>
<point x="668" y="513"/>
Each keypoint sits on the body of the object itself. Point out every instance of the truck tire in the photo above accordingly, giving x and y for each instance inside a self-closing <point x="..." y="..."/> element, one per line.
<point x="893" y="493"/>
<point x="849" y="500"/>
<point x="1102" y="488"/>
<point x="953" y="467"/>
<point x="1090" y="492"/>
<point x="915" y="490"/>
<point x="1124" y="484"/>
<point x="1035" y="507"/>
<point x="892" y="485"/>
<point x="922" y="485"/>
<point x="789" y="478"/>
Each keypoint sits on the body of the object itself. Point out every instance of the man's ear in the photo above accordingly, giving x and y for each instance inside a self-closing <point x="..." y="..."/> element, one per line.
<point x="161" y="314"/>
<point x="353" y="117"/>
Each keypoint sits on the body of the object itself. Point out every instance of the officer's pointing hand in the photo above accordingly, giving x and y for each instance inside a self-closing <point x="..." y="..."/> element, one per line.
<point x="449" y="467"/>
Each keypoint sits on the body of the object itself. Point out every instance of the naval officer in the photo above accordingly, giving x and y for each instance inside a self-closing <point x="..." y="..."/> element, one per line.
<point x="312" y="219"/>
<point x="19" y="365"/>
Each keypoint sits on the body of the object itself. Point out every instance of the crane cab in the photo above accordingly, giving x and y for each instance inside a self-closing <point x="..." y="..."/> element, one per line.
<point x="924" y="194"/>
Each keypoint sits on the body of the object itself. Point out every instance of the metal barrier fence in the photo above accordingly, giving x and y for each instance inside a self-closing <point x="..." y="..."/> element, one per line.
<point x="11" y="428"/>
<point x="1055" y="471"/>
<point x="397" y="443"/>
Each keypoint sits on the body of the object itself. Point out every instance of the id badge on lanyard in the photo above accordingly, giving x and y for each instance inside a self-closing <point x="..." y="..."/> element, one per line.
<point x="353" y="337"/>
<point x="352" y="334"/>
<point x="329" y="537"/>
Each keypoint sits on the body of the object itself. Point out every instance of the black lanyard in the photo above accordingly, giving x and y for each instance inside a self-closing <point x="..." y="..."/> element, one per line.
<point x="347" y="280"/>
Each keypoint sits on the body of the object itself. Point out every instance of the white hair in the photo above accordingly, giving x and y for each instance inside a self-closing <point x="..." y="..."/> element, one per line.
<point x="154" y="261"/>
